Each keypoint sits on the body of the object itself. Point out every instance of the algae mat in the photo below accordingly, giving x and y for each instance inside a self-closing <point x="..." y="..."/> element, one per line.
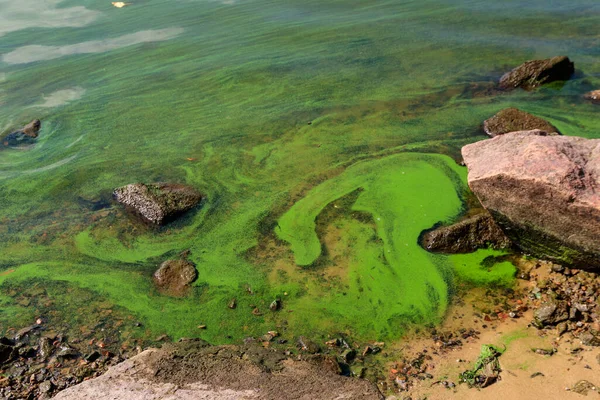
<point x="219" y="95"/>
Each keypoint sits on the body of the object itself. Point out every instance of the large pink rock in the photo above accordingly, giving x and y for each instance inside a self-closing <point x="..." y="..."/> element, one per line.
<point x="543" y="191"/>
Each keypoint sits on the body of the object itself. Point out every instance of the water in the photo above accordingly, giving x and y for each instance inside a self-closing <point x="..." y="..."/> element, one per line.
<point x="219" y="94"/>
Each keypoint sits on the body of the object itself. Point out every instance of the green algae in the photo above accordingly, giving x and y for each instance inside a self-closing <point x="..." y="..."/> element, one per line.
<point x="225" y="107"/>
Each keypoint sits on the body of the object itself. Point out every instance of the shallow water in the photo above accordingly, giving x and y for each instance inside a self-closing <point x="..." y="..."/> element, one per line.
<point x="218" y="94"/>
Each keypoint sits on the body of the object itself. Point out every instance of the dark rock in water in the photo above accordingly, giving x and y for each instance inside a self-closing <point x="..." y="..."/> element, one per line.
<point x="275" y="305"/>
<point x="348" y="355"/>
<point x="542" y="192"/>
<point x="45" y="348"/>
<point x="593" y="96"/>
<point x="26" y="331"/>
<point x="551" y="313"/>
<point x="66" y="351"/>
<point x="513" y="120"/>
<point x="7" y="352"/>
<point x="232" y="304"/>
<point x="93" y="356"/>
<point x="23" y="136"/>
<point x="175" y="275"/>
<point x="157" y="203"/>
<point x="532" y="74"/>
<point x="479" y="231"/>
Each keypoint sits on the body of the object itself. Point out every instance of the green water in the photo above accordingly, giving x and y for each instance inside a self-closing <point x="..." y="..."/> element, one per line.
<point x="218" y="95"/>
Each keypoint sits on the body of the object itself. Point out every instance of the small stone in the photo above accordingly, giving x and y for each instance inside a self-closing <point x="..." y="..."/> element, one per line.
<point x="348" y="355"/>
<point x="66" y="351"/>
<point x="308" y="345"/>
<point x="583" y="387"/>
<point x="45" y="387"/>
<point x="201" y="326"/>
<point x="232" y="304"/>
<point x="275" y="305"/>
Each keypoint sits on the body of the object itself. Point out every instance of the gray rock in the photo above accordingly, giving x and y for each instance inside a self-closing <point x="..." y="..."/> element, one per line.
<point x="542" y="192"/>
<point x="551" y="313"/>
<point x="157" y="203"/>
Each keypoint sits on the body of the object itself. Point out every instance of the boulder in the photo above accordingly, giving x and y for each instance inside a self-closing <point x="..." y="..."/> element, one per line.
<point x="593" y="96"/>
<point x="157" y="203"/>
<point x="532" y="74"/>
<point x="543" y="193"/>
<point x="513" y="120"/>
<point x="24" y="135"/>
<point x="175" y="275"/>
<point x="476" y="232"/>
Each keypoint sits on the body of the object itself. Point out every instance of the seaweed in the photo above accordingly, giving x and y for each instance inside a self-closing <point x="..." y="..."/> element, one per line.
<point x="486" y="370"/>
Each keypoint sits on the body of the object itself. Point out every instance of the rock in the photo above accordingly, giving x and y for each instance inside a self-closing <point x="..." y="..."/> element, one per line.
<point x="584" y="387"/>
<point x="7" y="352"/>
<point x="348" y="355"/>
<point x="23" y="136"/>
<point x="45" y="348"/>
<point x="26" y="331"/>
<point x="45" y="387"/>
<point x="532" y="74"/>
<point x="175" y="275"/>
<point x="593" y="96"/>
<point x="589" y="339"/>
<point x="66" y="351"/>
<point x="157" y="203"/>
<point x="93" y="356"/>
<point x="513" y="120"/>
<point x="32" y="129"/>
<point x="541" y="191"/>
<point x="479" y="231"/>
<point x="308" y="345"/>
<point x="232" y="304"/>
<point x="275" y="305"/>
<point x="551" y="313"/>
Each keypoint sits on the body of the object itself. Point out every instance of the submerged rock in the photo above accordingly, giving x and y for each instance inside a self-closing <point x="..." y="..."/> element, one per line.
<point x="532" y="74"/>
<point x="24" y="135"/>
<point x="513" y="119"/>
<point x="175" y="275"/>
<point x="593" y="96"/>
<point x="157" y="203"/>
<point x="479" y="231"/>
<point x="542" y="192"/>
